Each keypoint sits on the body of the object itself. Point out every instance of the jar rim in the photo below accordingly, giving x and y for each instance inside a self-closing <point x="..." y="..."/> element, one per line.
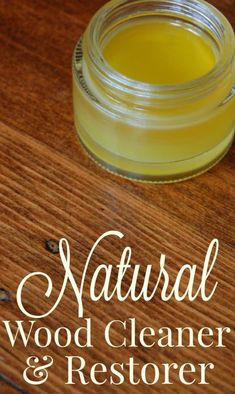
<point x="198" y="86"/>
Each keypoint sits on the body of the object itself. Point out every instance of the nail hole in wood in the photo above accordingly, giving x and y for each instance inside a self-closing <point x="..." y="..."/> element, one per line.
<point x="52" y="246"/>
<point x="4" y="295"/>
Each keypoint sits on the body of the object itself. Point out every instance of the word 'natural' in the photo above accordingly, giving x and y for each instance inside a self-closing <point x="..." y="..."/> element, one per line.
<point x="136" y="291"/>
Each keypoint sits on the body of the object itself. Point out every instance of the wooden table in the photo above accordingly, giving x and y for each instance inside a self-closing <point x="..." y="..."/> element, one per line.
<point x="50" y="189"/>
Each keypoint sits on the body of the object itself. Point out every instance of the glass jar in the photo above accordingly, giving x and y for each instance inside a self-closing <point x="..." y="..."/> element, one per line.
<point x="149" y="132"/>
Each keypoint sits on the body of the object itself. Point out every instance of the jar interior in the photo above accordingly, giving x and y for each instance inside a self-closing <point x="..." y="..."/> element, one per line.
<point x="159" y="49"/>
<point x="195" y="21"/>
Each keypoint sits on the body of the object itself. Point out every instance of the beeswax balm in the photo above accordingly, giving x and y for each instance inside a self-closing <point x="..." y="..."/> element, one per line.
<point x="160" y="52"/>
<point x="154" y="88"/>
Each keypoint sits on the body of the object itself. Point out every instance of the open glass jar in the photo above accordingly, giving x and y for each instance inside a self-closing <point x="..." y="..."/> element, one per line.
<point x="155" y="132"/>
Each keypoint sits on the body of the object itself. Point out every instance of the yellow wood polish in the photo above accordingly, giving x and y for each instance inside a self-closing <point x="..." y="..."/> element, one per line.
<point x="159" y="52"/>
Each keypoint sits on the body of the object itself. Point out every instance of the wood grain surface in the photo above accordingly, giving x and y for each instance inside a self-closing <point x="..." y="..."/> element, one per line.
<point x="50" y="189"/>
